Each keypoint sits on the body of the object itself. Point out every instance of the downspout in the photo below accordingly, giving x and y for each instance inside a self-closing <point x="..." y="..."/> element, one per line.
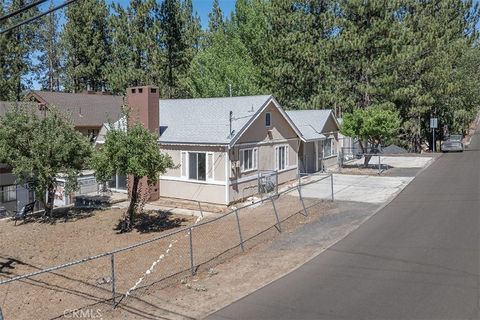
<point x="227" y="184"/>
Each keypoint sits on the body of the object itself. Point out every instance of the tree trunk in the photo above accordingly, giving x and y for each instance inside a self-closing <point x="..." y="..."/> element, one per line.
<point x="369" y="156"/>
<point x="133" y="204"/>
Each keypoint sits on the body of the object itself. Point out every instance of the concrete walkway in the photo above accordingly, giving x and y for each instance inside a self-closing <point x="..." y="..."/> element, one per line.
<point x="181" y="211"/>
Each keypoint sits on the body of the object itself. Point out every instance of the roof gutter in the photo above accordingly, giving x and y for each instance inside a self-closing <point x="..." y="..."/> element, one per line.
<point x="193" y="144"/>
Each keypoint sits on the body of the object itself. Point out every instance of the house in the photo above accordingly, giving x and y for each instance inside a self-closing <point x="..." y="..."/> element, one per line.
<point x="220" y="145"/>
<point x="12" y="196"/>
<point x="88" y="110"/>
<point x="319" y="147"/>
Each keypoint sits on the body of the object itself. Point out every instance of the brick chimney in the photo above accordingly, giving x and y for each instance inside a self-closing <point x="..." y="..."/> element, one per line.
<point x="143" y="102"/>
<point x="144" y="105"/>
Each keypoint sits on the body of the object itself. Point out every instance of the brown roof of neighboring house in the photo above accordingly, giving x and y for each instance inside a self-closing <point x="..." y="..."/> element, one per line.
<point x="85" y="109"/>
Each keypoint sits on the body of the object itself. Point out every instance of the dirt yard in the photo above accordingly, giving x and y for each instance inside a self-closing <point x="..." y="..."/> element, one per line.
<point x="38" y="244"/>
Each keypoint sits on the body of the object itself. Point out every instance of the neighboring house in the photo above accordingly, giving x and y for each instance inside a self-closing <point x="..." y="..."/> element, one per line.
<point x="12" y="195"/>
<point x="88" y="111"/>
<point x="220" y="145"/>
<point x="319" y="148"/>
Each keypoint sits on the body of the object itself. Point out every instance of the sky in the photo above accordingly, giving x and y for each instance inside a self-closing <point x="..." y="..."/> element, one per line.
<point x="202" y="7"/>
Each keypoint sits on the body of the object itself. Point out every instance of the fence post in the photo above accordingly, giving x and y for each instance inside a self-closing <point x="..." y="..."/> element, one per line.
<point x="301" y="199"/>
<point x="239" y="229"/>
<point x="331" y="185"/>
<point x="379" y="166"/>
<point x="192" y="268"/>
<point x="276" y="215"/>
<point x="200" y="207"/>
<point x="276" y="182"/>
<point x="112" y="260"/>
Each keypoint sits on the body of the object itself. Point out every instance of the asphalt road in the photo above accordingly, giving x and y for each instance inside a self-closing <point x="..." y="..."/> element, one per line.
<point x="418" y="258"/>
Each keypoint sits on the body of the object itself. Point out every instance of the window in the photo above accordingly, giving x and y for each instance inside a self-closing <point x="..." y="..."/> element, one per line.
<point x="268" y="119"/>
<point x="328" y="148"/>
<point x="281" y="157"/>
<point x="248" y="159"/>
<point x="8" y="193"/>
<point x="118" y="182"/>
<point x="197" y="166"/>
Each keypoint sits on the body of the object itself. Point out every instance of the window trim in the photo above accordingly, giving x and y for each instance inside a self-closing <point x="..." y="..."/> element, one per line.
<point x="185" y="164"/>
<point x="3" y="190"/>
<point x="269" y="114"/>
<point x="286" y="157"/>
<point x="333" y="151"/>
<point x="254" y="159"/>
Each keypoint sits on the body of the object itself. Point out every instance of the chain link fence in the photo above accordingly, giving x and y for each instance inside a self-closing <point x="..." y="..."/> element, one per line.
<point x="116" y="277"/>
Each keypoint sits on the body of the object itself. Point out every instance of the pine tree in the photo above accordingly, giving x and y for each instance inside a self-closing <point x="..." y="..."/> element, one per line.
<point x="366" y="47"/>
<point x="175" y="45"/>
<point x="48" y="69"/>
<point x="86" y="45"/>
<point x="18" y="47"/>
<point x="136" y="53"/>
<point x="428" y="80"/>
<point x="216" y="21"/>
<point x="300" y="53"/>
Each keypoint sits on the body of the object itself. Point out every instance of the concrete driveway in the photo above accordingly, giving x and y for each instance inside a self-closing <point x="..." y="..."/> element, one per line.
<point x="359" y="188"/>
<point x="397" y="161"/>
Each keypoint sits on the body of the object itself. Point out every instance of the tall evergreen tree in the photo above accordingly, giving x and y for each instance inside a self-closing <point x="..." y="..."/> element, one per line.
<point x="434" y="40"/>
<point x="300" y="52"/>
<point x="176" y="47"/>
<point x="136" y="53"/>
<point x="18" y="47"/>
<point x="216" y="21"/>
<point x="86" y="45"/>
<point x="49" y="67"/>
<point x="365" y="46"/>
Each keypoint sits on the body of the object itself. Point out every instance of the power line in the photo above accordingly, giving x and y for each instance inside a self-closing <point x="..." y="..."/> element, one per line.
<point x="25" y="8"/>
<point x="38" y="16"/>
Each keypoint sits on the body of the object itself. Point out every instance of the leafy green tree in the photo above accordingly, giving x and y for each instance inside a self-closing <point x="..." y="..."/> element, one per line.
<point x="39" y="148"/>
<point x="48" y="69"/>
<point x="132" y="150"/>
<point x="85" y="40"/>
<point x="373" y="126"/>
<point x="223" y="66"/>
<point x="251" y="20"/>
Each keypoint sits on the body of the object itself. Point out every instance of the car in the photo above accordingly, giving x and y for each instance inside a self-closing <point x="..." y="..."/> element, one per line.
<point x="452" y="143"/>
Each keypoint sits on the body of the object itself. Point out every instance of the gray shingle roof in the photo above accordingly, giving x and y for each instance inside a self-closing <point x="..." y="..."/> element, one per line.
<point x="311" y="123"/>
<point x="206" y="121"/>
<point x="85" y="109"/>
